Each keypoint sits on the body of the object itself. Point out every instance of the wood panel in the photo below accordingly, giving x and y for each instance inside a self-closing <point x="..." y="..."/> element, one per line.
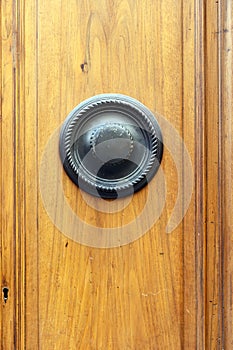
<point x="225" y="184"/>
<point x="9" y="223"/>
<point x="218" y="73"/>
<point x="213" y="255"/>
<point x="129" y="296"/>
<point x="162" y="291"/>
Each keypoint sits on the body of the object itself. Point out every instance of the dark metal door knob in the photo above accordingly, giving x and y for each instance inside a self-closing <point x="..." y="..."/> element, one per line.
<point x="111" y="145"/>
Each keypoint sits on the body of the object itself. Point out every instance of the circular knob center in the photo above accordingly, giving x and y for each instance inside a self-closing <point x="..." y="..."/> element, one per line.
<point x="112" y="143"/>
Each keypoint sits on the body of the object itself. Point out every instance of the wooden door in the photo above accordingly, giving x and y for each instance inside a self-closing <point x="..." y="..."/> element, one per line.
<point x="160" y="290"/>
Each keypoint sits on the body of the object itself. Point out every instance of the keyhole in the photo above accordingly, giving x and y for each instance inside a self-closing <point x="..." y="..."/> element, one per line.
<point x="5" y="291"/>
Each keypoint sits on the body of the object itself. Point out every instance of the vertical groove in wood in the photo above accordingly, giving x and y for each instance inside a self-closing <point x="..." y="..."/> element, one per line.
<point x="189" y="134"/>
<point x="20" y="170"/>
<point x="213" y="219"/>
<point x="182" y="30"/>
<point x="18" y="178"/>
<point x="200" y="198"/>
<point x="8" y="210"/>
<point x="30" y="171"/>
<point x="1" y="237"/>
<point x="16" y="245"/>
<point x="218" y="72"/>
<point x="37" y="176"/>
<point x="221" y="169"/>
<point x="12" y="179"/>
<point x="226" y="153"/>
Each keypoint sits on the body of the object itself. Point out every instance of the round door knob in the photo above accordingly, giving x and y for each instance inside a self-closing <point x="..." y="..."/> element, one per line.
<point x="111" y="145"/>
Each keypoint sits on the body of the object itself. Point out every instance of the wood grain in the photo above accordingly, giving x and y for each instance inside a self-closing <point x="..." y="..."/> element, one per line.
<point x="213" y="219"/>
<point x="162" y="291"/>
<point x="225" y="176"/>
<point x="9" y="267"/>
<point x="218" y="180"/>
<point x="127" y="296"/>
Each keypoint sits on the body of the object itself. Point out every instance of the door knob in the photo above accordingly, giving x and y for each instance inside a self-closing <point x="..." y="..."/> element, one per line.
<point x="111" y="145"/>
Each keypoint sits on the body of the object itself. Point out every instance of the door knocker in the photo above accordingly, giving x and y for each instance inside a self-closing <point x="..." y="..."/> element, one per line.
<point x="111" y="145"/>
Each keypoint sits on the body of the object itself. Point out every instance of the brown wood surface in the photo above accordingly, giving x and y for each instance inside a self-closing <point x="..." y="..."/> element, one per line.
<point x="162" y="291"/>
<point x="225" y="170"/>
